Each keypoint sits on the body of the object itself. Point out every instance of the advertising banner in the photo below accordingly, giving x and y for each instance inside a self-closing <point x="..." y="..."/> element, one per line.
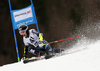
<point x="23" y="16"/>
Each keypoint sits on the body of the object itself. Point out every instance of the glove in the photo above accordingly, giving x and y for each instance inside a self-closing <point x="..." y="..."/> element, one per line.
<point x="41" y="44"/>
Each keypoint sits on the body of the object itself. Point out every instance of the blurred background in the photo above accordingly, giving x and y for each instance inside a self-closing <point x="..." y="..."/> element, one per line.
<point x="57" y="19"/>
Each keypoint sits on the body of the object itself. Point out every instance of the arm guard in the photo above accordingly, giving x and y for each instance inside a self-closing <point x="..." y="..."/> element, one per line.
<point x="40" y="37"/>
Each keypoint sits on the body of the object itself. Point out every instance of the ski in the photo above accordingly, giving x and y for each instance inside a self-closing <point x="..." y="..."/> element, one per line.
<point x="32" y="59"/>
<point x="56" y="53"/>
<point x="37" y="58"/>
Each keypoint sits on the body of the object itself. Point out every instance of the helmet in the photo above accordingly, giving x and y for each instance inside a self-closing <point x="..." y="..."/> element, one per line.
<point x="22" y="29"/>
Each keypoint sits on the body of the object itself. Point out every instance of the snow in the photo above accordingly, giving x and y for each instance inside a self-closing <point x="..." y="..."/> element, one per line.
<point x="86" y="59"/>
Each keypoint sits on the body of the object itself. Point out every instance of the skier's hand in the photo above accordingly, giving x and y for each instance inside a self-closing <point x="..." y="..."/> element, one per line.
<point x="41" y="44"/>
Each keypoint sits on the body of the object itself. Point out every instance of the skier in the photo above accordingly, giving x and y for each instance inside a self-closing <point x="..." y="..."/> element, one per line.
<point x="34" y="42"/>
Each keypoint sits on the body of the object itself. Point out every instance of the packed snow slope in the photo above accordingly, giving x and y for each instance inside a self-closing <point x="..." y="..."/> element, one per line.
<point x="87" y="59"/>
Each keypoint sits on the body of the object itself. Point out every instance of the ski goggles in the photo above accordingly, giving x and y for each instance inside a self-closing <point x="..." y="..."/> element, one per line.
<point x="22" y="32"/>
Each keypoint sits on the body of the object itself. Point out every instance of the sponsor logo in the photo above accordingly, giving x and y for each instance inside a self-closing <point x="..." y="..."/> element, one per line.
<point x="26" y="22"/>
<point x="23" y="13"/>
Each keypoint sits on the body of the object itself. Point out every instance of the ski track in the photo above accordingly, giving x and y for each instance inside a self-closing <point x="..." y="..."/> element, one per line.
<point x="84" y="57"/>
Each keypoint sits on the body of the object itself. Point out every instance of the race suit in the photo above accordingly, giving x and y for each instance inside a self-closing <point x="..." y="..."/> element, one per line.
<point x="32" y="43"/>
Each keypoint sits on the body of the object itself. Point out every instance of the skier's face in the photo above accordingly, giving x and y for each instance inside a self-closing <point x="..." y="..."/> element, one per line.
<point x="23" y="32"/>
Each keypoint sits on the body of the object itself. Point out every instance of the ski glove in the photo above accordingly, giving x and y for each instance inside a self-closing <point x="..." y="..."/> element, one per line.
<point x="40" y="45"/>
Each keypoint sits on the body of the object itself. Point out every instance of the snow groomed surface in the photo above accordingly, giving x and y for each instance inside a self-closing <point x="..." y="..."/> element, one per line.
<point x="85" y="60"/>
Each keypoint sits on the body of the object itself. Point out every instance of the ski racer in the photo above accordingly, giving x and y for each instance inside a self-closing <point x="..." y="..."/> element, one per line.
<point x="33" y="41"/>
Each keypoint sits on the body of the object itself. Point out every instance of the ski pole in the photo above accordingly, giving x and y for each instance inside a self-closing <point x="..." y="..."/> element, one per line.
<point x="64" y="39"/>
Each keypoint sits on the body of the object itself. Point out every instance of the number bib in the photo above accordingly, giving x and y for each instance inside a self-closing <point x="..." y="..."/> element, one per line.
<point x="33" y="39"/>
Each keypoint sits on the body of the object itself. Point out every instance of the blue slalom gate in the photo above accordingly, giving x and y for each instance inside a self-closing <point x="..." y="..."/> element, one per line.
<point x="22" y="16"/>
